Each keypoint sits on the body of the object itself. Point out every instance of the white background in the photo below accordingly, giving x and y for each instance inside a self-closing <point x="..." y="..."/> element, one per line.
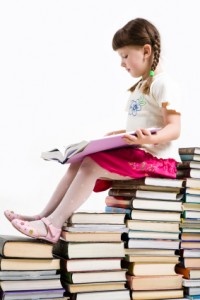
<point x="61" y="82"/>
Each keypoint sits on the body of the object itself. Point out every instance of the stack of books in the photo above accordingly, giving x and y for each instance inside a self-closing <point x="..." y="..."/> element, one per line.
<point x="28" y="269"/>
<point x="91" y="249"/>
<point x="190" y="226"/>
<point x="153" y="208"/>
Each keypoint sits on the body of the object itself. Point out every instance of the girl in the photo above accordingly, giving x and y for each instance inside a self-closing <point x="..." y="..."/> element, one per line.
<point x="153" y="102"/>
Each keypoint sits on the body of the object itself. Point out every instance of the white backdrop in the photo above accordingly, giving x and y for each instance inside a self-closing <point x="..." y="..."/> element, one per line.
<point x="61" y="82"/>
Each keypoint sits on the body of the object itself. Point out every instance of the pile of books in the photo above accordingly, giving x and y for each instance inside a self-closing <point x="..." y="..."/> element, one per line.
<point x="190" y="226"/>
<point x="28" y="270"/>
<point x="153" y="208"/>
<point x="91" y="249"/>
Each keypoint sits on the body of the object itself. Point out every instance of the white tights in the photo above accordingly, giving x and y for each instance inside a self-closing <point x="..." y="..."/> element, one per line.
<point x="72" y="191"/>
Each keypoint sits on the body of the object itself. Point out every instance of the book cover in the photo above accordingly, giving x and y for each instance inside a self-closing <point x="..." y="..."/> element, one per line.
<point x="137" y="234"/>
<point x="88" y="250"/>
<point x="151" y="268"/>
<point x="22" y="247"/>
<point x="90" y="264"/>
<point x="148" y="215"/>
<point x="150" y="243"/>
<point x="117" y="184"/>
<point x="156" y="205"/>
<point x="29" y="275"/>
<point x="91" y="287"/>
<point x="19" y="285"/>
<point x="94" y="276"/>
<point x="17" y="264"/>
<point x="92" y="236"/>
<point x="112" y="209"/>
<point x="153" y="226"/>
<point x="188" y="164"/>
<point x="192" y="173"/>
<point x="102" y="295"/>
<point x="163" y="282"/>
<point x="75" y="152"/>
<point x="193" y="157"/>
<point x="193" y="183"/>
<point x="190" y="262"/>
<point x="189" y="150"/>
<point x="152" y="181"/>
<point x="161" y="294"/>
<point x="145" y="194"/>
<point x="37" y="294"/>
<point x="97" y="218"/>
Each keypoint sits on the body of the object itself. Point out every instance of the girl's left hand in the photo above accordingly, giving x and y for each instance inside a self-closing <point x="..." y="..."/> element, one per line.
<point x="142" y="136"/>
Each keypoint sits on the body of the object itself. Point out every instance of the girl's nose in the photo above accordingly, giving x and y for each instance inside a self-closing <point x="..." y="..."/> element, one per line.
<point x="123" y="64"/>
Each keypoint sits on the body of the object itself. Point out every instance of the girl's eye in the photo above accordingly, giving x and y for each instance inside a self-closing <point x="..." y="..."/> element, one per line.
<point x="125" y="56"/>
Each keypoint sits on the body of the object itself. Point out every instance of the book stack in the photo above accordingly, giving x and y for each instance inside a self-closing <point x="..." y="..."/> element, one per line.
<point x="153" y="207"/>
<point x="91" y="249"/>
<point x="28" y="270"/>
<point x="190" y="226"/>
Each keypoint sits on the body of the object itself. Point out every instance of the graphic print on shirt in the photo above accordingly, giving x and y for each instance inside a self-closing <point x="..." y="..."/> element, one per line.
<point x="136" y="105"/>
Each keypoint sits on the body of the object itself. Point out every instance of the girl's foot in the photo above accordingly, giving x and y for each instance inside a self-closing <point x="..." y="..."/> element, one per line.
<point x="42" y="229"/>
<point x="10" y="215"/>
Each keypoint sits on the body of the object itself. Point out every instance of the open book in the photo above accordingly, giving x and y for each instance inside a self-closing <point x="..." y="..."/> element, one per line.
<point x="75" y="152"/>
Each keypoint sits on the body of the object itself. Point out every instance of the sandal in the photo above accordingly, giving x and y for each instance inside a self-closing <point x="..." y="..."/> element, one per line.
<point x="10" y="215"/>
<point x="52" y="236"/>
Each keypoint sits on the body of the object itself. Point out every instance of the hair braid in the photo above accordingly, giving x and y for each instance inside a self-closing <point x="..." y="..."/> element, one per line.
<point x="156" y="57"/>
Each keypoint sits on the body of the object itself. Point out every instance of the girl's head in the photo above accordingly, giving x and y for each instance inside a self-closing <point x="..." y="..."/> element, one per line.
<point x="138" y="44"/>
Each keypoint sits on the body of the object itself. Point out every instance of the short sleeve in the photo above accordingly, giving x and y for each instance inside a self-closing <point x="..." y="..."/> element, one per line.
<point x="165" y="91"/>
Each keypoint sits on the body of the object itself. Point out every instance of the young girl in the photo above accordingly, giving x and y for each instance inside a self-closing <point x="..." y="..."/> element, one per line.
<point x="153" y="102"/>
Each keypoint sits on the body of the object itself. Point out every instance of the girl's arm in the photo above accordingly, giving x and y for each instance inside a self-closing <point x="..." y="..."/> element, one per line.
<point x="171" y="131"/>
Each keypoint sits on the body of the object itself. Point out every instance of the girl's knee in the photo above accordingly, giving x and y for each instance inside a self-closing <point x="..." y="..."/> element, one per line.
<point x="87" y="163"/>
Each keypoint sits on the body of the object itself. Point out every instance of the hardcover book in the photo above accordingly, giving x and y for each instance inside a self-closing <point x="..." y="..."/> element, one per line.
<point x="92" y="287"/>
<point x="97" y="218"/>
<point x="90" y="264"/>
<point x="102" y="295"/>
<point x="88" y="250"/>
<point x="161" y="294"/>
<point x="17" y="264"/>
<point x="189" y="150"/>
<point x="24" y="247"/>
<point x="94" y="276"/>
<point x="155" y="282"/>
<point x="75" y="152"/>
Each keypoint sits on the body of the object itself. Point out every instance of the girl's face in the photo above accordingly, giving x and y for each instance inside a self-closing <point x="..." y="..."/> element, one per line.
<point x="136" y="60"/>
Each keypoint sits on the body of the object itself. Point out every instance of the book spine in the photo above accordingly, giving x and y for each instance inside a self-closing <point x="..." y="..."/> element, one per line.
<point x="122" y="192"/>
<point x="67" y="276"/>
<point x="117" y="210"/>
<point x="186" y="150"/>
<point x="2" y="244"/>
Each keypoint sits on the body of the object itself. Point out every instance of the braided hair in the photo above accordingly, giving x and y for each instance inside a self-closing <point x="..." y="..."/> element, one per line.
<point x="140" y="32"/>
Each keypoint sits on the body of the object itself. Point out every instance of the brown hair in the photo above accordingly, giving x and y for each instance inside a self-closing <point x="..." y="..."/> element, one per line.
<point x="139" y="32"/>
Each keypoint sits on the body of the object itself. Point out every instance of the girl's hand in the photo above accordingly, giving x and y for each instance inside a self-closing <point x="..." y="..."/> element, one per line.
<point x="142" y="136"/>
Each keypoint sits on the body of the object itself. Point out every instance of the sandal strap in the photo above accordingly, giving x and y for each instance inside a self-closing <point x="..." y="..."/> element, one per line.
<point x="51" y="230"/>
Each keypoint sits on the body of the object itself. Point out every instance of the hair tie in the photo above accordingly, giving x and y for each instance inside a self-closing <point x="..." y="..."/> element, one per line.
<point x="151" y="73"/>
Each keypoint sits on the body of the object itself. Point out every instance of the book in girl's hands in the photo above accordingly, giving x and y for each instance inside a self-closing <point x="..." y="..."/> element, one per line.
<point x="75" y="152"/>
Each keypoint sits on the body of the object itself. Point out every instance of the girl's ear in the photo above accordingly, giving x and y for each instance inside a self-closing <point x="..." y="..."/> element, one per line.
<point x="147" y="50"/>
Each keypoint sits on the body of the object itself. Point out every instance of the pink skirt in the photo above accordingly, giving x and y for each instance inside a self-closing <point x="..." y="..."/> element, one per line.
<point x="134" y="163"/>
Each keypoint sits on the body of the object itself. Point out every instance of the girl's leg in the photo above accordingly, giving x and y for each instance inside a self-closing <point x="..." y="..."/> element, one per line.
<point x="61" y="190"/>
<point x="78" y="192"/>
<point x="55" y="198"/>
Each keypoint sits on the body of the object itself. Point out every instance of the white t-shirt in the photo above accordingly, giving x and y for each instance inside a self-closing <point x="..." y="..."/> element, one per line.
<point x="145" y="111"/>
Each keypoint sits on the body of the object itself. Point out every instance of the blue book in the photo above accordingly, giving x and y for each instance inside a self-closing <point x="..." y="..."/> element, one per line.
<point x="186" y="157"/>
<point x="112" y="209"/>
